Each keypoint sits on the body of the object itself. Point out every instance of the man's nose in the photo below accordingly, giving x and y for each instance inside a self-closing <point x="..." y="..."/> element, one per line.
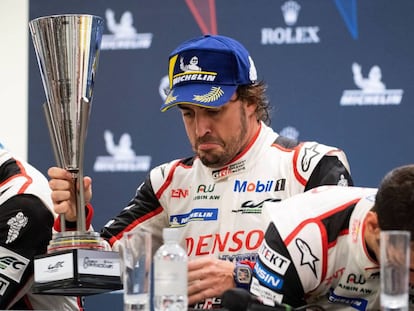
<point x="203" y="124"/>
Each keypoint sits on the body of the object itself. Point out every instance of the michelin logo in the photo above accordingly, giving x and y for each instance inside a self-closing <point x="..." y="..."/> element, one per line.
<point x="356" y="303"/>
<point x="372" y="90"/>
<point x="197" y="214"/>
<point x="122" y="157"/>
<point x="124" y="35"/>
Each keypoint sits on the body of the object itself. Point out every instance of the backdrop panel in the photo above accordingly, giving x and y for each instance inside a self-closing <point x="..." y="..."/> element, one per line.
<point x="339" y="72"/>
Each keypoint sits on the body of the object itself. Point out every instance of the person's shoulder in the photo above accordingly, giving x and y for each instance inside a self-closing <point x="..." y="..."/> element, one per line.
<point x="315" y="149"/>
<point x="309" y="155"/>
<point x="174" y="163"/>
<point x="189" y="161"/>
<point x="162" y="171"/>
<point x="291" y="143"/>
<point x="30" y="200"/>
<point x="28" y="206"/>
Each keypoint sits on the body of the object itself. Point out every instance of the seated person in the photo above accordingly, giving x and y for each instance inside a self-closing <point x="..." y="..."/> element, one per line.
<point x="322" y="246"/>
<point x="26" y="221"/>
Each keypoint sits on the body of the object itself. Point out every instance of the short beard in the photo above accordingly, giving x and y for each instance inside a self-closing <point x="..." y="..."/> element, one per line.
<point x="231" y="148"/>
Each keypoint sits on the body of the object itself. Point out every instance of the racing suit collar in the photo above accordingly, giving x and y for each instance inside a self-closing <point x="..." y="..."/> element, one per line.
<point x="244" y="160"/>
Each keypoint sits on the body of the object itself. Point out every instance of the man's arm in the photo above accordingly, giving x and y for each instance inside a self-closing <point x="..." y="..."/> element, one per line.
<point x="144" y="210"/>
<point x="332" y="169"/>
<point x="275" y="278"/>
<point x="329" y="171"/>
<point x="25" y="231"/>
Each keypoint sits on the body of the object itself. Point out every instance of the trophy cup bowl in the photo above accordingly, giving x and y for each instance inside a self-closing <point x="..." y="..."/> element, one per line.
<point x="67" y="50"/>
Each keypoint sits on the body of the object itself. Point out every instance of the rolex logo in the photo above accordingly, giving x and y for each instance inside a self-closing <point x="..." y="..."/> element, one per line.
<point x="290" y="34"/>
<point x="290" y="10"/>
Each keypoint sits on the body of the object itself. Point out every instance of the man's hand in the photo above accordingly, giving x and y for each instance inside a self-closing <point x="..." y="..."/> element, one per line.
<point x="63" y="192"/>
<point x="208" y="277"/>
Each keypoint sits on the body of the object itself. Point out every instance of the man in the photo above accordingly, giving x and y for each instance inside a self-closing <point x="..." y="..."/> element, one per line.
<point x="323" y="246"/>
<point x="216" y="196"/>
<point x="26" y="221"/>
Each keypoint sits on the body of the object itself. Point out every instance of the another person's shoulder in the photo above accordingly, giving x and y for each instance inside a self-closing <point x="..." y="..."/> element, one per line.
<point x="286" y="142"/>
<point x="308" y="149"/>
<point x="26" y="205"/>
<point x="308" y="156"/>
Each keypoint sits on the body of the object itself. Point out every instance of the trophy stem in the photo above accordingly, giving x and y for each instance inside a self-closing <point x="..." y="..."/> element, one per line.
<point x="55" y="144"/>
<point x="77" y="177"/>
<point x="81" y="220"/>
<point x="85" y="108"/>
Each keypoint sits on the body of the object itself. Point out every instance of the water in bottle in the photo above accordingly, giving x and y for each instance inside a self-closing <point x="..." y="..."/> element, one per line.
<point x="170" y="274"/>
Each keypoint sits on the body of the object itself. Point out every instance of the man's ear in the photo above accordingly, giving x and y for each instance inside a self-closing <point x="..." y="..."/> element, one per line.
<point x="372" y="233"/>
<point x="371" y="225"/>
<point x="251" y="108"/>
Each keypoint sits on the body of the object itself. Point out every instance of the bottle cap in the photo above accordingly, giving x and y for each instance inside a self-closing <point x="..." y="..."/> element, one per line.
<point x="170" y="234"/>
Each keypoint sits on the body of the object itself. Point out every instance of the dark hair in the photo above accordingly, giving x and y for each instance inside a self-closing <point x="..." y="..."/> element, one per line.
<point x="394" y="202"/>
<point x="256" y="93"/>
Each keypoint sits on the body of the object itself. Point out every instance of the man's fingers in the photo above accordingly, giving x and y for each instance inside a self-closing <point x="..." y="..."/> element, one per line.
<point x="196" y="291"/>
<point x="202" y="289"/>
<point x="199" y="263"/>
<point x="62" y="207"/>
<point x="60" y="184"/>
<point x="59" y="173"/>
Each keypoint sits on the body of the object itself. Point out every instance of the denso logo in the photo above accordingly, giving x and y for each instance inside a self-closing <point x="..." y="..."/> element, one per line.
<point x="225" y="242"/>
<point x="259" y="186"/>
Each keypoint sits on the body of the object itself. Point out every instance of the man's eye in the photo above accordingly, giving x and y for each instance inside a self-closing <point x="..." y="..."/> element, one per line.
<point x="213" y="112"/>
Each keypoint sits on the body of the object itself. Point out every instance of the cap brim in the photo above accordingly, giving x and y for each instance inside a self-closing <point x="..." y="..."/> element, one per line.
<point x="203" y="95"/>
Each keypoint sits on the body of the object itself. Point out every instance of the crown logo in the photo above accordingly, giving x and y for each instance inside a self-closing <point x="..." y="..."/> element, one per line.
<point x="290" y="10"/>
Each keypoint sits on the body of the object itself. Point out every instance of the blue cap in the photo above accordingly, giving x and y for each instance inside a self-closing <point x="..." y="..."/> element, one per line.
<point x="207" y="70"/>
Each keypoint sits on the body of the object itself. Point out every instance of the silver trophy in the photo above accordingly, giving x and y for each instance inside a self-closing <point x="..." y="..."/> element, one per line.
<point x="67" y="49"/>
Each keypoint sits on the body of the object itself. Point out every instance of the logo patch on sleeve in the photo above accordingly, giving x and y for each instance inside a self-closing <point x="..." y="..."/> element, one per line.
<point x="16" y="223"/>
<point x="12" y="265"/>
<point x="3" y="286"/>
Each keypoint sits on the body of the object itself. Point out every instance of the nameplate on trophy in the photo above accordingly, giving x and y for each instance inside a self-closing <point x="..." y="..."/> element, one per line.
<point x="78" y="272"/>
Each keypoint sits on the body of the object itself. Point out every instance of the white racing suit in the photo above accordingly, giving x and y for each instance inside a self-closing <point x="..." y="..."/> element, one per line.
<point x="315" y="253"/>
<point x="219" y="211"/>
<point x="26" y="220"/>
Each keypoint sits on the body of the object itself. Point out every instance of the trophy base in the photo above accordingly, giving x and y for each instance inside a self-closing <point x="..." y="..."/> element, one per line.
<point x="77" y="272"/>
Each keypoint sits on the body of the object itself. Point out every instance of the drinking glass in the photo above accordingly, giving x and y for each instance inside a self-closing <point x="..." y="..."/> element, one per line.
<point x="136" y="276"/>
<point x="395" y="264"/>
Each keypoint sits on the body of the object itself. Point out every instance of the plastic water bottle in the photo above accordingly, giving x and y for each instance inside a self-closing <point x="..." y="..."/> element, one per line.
<point x="170" y="274"/>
